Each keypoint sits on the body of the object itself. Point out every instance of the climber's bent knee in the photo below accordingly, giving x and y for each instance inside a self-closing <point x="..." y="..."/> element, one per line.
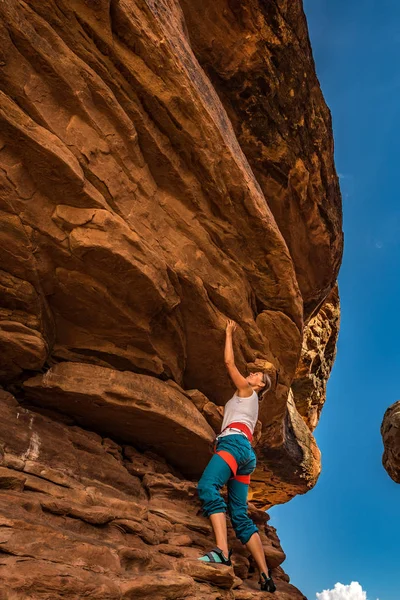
<point x="245" y="536"/>
<point x="211" y="499"/>
<point x="215" y="475"/>
<point x="243" y="526"/>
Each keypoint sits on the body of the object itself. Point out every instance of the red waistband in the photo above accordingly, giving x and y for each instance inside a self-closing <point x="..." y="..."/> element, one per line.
<point x="246" y="430"/>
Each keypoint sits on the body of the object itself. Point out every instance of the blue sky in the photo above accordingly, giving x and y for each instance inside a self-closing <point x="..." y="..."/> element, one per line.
<point x="348" y="527"/>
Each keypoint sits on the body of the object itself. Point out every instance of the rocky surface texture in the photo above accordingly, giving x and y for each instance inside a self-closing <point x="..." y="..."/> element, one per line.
<point x="84" y="517"/>
<point x="390" y="431"/>
<point x="317" y="357"/>
<point x="164" y="166"/>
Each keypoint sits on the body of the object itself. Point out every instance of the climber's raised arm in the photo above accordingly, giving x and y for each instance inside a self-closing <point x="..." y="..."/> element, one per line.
<point x="239" y="381"/>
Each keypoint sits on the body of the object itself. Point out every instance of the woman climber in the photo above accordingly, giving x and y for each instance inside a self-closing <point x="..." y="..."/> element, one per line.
<point x="233" y="462"/>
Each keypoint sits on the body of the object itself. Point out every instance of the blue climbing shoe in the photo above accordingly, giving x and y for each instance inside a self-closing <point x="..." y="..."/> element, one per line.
<point x="216" y="556"/>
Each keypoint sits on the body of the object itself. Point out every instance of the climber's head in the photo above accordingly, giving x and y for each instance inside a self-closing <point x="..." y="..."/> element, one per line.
<point x="260" y="382"/>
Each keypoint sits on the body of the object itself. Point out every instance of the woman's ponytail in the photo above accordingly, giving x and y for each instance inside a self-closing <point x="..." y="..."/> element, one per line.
<point x="267" y="386"/>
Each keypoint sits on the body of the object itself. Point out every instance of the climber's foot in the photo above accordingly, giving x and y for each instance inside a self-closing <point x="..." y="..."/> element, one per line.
<point x="267" y="583"/>
<point x="216" y="556"/>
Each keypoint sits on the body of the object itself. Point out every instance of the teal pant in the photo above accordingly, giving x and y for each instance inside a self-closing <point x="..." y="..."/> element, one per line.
<point x="218" y="473"/>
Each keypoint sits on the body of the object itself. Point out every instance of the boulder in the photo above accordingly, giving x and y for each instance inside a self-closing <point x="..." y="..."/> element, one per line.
<point x="135" y="409"/>
<point x="390" y="431"/>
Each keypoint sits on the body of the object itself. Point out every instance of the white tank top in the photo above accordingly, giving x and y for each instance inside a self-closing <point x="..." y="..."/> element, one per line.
<point x="240" y="410"/>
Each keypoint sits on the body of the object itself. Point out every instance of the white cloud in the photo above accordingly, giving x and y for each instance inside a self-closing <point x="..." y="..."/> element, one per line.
<point x="353" y="591"/>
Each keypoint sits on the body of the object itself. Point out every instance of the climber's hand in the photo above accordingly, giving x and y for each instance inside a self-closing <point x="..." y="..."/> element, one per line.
<point x="230" y="326"/>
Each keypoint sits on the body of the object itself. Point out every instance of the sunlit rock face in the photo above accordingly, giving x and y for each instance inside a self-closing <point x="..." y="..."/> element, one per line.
<point x="390" y="431"/>
<point x="164" y="166"/>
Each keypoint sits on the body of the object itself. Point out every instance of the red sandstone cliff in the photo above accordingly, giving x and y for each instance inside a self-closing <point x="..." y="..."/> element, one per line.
<point x="164" y="166"/>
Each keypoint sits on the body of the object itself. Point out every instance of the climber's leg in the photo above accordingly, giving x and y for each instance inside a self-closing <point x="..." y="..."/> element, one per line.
<point x="244" y="527"/>
<point x="237" y="508"/>
<point x="215" y="476"/>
